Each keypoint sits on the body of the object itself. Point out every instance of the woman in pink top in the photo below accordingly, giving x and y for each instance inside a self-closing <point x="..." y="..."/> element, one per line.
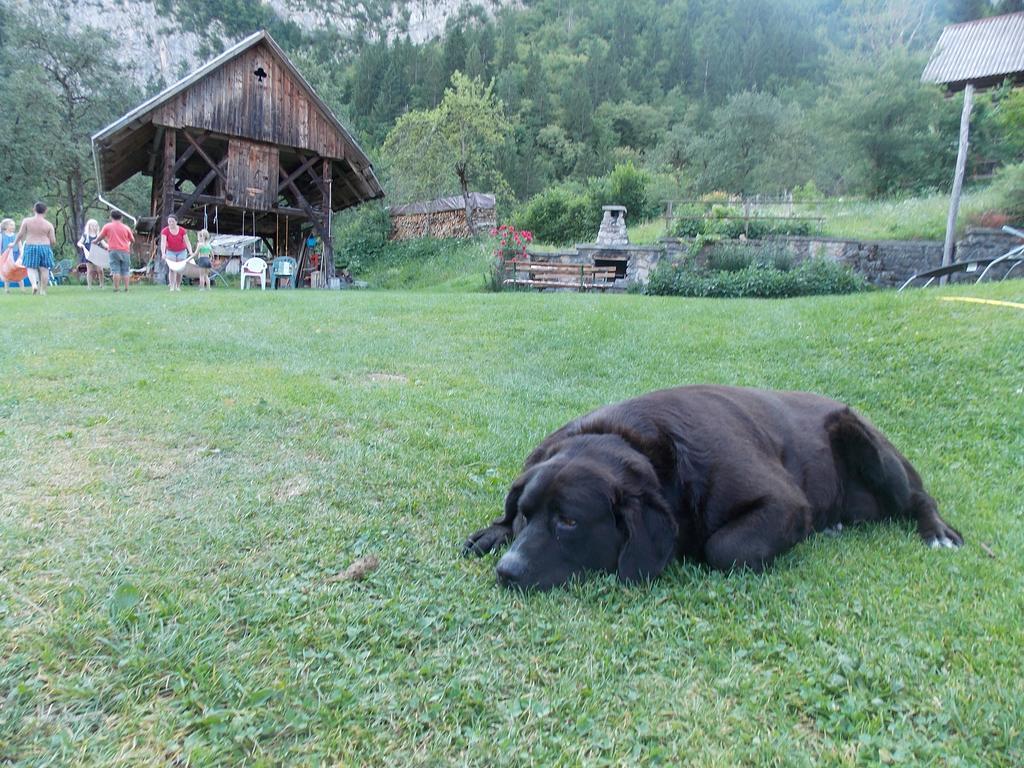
<point x="174" y="246"/>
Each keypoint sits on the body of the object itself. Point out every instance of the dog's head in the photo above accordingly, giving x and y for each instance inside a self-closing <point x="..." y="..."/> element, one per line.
<point x="594" y="504"/>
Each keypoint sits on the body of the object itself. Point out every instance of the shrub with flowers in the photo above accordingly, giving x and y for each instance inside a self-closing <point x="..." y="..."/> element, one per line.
<point x="511" y="244"/>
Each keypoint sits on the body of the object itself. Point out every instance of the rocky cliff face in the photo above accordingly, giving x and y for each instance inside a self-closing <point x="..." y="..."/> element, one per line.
<point x="162" y="50"/>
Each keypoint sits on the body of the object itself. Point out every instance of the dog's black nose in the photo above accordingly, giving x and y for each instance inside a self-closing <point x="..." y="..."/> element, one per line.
<point x="510" y="571"/>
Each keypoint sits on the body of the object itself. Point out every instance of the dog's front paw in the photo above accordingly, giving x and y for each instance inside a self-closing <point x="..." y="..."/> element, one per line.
<point x="487" y="540"/>
<point x="942" y="537"/>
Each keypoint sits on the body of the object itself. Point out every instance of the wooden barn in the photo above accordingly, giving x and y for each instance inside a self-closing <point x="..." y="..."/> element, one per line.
<point x="444" y="217"/>
<point x="242" y="146"/>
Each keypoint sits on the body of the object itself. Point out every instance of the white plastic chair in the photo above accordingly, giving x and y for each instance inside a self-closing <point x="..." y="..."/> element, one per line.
<point x="254" y="267"/>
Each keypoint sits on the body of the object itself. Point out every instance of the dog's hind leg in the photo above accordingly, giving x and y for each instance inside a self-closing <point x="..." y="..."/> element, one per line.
<point x="933" y="530"/>
<point x="873" y="462"/>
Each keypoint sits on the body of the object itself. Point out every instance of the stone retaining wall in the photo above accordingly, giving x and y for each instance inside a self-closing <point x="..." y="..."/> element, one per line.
<point x="885" y="263"/>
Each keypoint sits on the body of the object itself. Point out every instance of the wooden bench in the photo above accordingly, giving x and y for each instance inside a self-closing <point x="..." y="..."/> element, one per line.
<point x="550" y="274"/>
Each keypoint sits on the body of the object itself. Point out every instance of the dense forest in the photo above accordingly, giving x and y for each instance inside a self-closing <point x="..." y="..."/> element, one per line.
<point x="701" y="95"/>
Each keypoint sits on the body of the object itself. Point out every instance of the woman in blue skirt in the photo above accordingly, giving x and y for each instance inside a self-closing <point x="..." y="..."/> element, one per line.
<point x="37" y="256"/>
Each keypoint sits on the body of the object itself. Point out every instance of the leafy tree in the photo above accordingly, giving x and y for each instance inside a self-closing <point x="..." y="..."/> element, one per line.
<point x="455" y="145"/>
<point x="754" y="143"/>
<point x="627" y="186"/>
<point x="61" y="85"/>
<point x="884" y="132"/>
<point x="474" y="67"/>
<point x="455" y="49"/>
<point x="364" y="83"/>
<point x="967" y="10"/>
<point x="997" y="125"/>
<point x="639" y="126"/>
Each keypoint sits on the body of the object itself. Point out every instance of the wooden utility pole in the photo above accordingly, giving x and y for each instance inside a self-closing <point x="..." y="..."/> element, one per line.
<point x="958" y="177"/>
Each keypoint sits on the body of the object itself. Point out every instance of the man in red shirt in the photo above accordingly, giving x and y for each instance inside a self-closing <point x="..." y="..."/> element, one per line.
<point x="118" y="238"/>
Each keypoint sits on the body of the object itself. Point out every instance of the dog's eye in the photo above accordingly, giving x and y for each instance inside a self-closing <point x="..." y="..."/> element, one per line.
<point x="565" y="522"/>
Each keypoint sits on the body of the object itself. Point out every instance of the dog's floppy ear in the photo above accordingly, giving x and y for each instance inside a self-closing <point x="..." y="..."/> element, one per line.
<point x="532" y="481"/>
<point x="650" y="537"/>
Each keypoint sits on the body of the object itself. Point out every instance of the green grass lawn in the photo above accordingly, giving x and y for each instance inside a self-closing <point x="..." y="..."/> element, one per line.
<point x="182" y="475"/>
<point x="916" y="218"/>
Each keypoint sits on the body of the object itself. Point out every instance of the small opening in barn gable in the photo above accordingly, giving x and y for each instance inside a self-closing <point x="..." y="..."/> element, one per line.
<point x="261" y="74"/>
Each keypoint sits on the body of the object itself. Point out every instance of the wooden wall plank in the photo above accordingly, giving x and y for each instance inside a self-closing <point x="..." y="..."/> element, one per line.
<point x="232" y="101"/>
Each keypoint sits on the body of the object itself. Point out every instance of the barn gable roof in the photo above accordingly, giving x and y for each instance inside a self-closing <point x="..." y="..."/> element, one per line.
<point x="982" y="52"/>
<point x="121" y="146"/>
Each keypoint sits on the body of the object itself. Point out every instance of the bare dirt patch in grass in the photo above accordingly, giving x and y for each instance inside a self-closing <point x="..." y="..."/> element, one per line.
<point x="291" y="488"/>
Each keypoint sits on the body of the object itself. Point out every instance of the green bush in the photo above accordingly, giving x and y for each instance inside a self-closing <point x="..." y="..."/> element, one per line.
<point x="561" y="215"/>
<point x="809" y="192"/>
<point x="569" y="213"/>
<point x="1009" y="190"/>
<point x="626" y="185"/>
<point x="811" y="278"/>
<point x="361" y="236"/>
<point x="691" y="222"/>
<point x="730" y="258"/>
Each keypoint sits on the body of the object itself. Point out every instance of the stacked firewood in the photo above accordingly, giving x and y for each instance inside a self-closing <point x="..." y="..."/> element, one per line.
<point x="440" y="224"/>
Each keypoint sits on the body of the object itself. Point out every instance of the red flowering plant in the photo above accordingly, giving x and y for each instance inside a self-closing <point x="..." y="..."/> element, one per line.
<point x="511" y="246"/>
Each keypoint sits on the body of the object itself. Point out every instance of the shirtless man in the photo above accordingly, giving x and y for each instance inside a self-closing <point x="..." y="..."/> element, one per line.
<point x="37" y="256"/>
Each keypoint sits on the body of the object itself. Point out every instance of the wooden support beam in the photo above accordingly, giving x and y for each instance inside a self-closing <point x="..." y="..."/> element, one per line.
<point x="154" y="151"/>
<point x="185" y="156"/>
<point x="203" y="199"/>
<point x="191" y="199"/>
<point x="958" y="177"/>
<point x="167" y="180"/>
<point x="166" y="196"/>
<point x="314" y="216"/>
<point x="317" y="181"/>
<point x="286" y="210"/>
<point x="296" y="173"/>
<point x="325" y="185"/>
<point x="202" y="153"/>
<point x="348" y="185"/>
<point x="325" y="190"/>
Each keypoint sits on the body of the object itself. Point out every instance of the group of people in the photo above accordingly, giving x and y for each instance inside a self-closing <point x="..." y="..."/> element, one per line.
<point x="31" y="251"/>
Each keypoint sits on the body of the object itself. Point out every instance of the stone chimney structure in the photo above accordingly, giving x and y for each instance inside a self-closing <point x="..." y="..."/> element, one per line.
<point x="613" y="226"/>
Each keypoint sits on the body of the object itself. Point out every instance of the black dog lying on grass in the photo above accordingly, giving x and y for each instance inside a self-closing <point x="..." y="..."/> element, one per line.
<point x="731" y="477"/>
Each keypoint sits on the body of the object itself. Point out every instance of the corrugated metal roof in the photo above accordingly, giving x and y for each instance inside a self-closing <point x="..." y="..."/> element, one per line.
<point x="980" y="50"/>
